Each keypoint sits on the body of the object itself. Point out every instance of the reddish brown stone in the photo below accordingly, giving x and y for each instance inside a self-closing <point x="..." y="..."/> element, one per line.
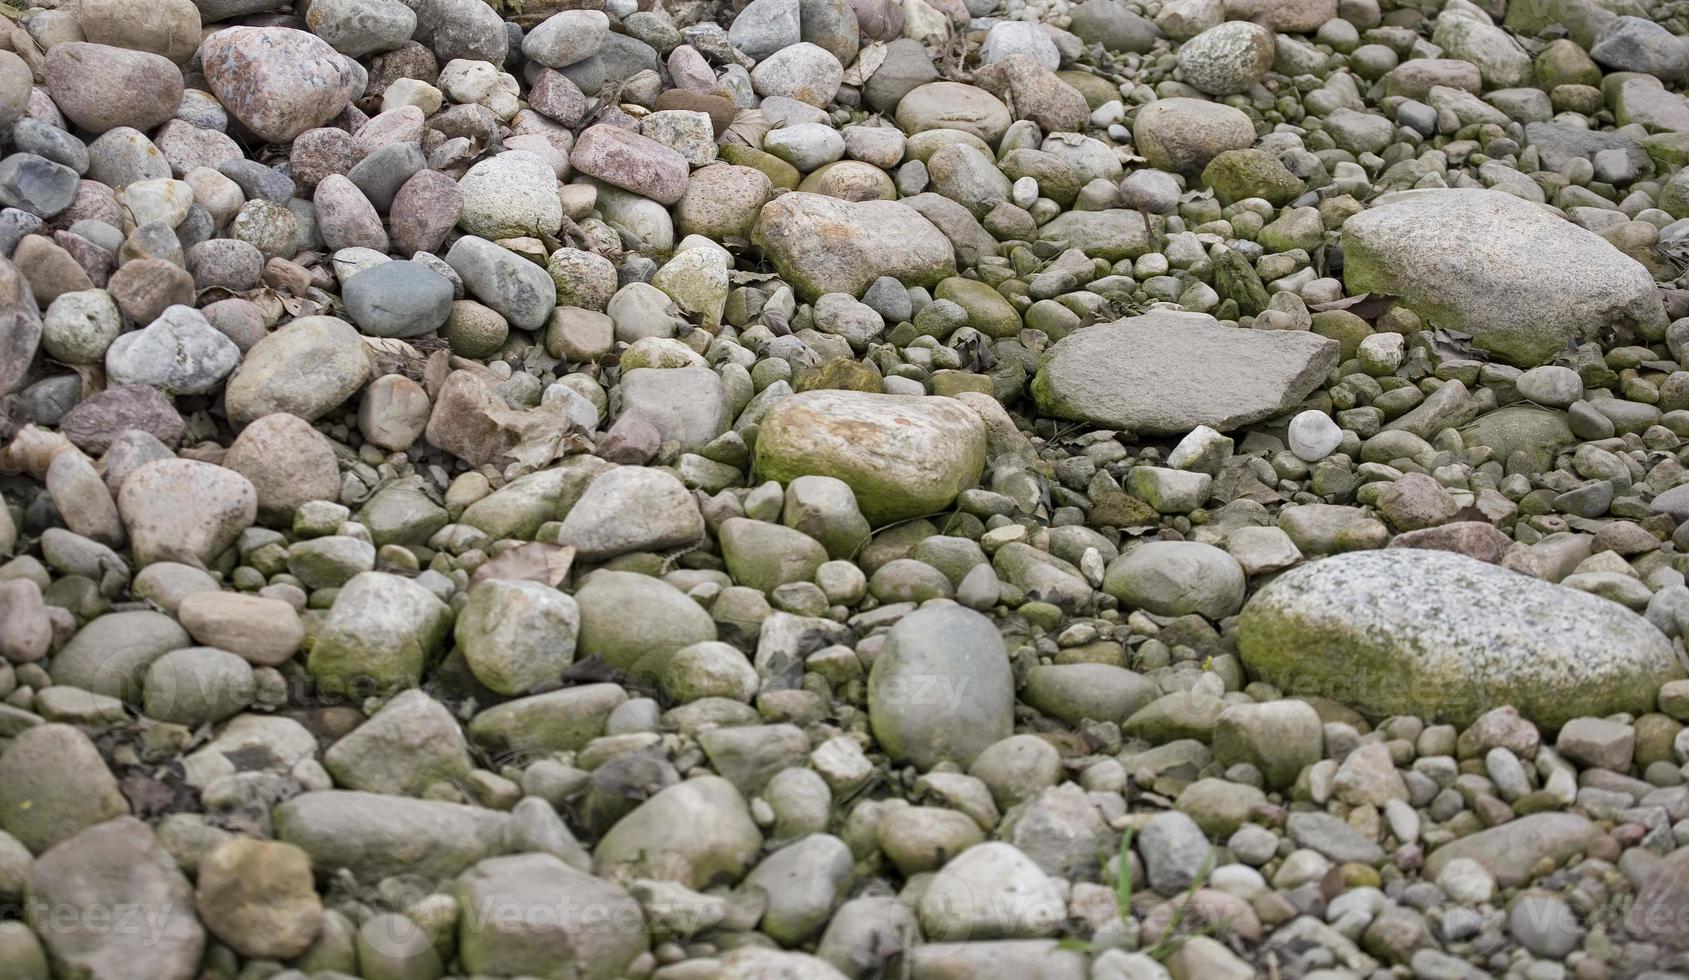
<point x="402" y="125"/>
<point x="424" y="211"/>
<point x="1474" y="539"/>
<point x="145" y="287"/>
<point x="94" y="201"/>
<point x="463" y="423"/>
<point x="187" y="146"/>
<point x="320" y="152"/>
<point x="93" y="259"/>
<point x="100" y="418"/>
<point x="345" y="217"/>
<point x="632" y="162"/>
<point x="20" y="328"/>
<point x="279" y="82"/>
<point x="238" y="319"/>
<point x="100" y="87"/>
<point x="51" y="270"/>
<point x="556" y="97"/>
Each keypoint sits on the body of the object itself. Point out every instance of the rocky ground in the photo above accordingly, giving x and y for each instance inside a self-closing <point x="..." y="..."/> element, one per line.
<point x="932" y="489"/>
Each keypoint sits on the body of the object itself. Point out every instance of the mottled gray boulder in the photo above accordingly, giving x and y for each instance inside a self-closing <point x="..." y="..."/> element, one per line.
<point x="764" y="27"/>
<point x="631" y="508"/>
<point x="1524" y="282"/>
<point x="398" y="299"/>
<point x="375" y="836"/>
<point x="1446" y="637"/>
<point x="1639" y="44"/>
<point x="627" y="617"/>
<point x="533" y="915"/>
<point x="1227" y="59"/>
<point x="826" y="245"/>
<point x="180" y="353"/>
<point x="1501" y="61"/>
<point x="1114" y="25"/>
<point x="940" y="688"/>
<point x="1512" y="850"/>
<point x="1183" y="135"/>
<point x="804" y="881"/>
<point x="53" y="784"/>
<point x="556" y="721"/>
<point x="991" y="891"/>
<point x="111" y="873"/>
<point x="516" y="635"/>
<point x="412" y="743"/>
<point x="111" y="654"/>
<point x="518" y="289"/>
<point x="718" y="844"/>
<point x="1113" y="234"/>
<point x="686" y="405"/>
<point x="1165" y="373"/>
<point x="1176" y="578"/>
<point x="1279" y="738"/>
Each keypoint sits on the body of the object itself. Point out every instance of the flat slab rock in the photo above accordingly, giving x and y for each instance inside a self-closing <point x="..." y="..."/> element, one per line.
<point x="1447" y="637"/>
<point x="1524" y="282"/>
<point x="1165" y="373"/>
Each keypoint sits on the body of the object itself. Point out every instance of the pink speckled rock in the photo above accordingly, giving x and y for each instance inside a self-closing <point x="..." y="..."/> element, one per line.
<point x="279" y="82"/>
<point x="632" y="162"/>
<point x="101" y="87"/>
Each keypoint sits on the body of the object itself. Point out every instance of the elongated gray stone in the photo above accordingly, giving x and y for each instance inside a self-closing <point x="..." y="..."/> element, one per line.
<point x="1446" y="637"/>
<point x="1524" y="282"/>
<point x="1165" y="373"/>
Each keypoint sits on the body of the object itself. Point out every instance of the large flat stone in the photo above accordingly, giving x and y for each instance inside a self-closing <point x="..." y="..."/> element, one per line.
<point x="1165" y="373"/>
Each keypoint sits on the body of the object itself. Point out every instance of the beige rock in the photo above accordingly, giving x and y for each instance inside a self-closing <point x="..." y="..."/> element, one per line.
<point x="25" y="630"/>
<point x="288" y="462"/>
<point x="82" y="498"/>
<point x="265" y="632"/>
<point x="258" y="896"/>
<point x="305" y="368"/>
<point x="903" y="456"/>
<point x="167" y="27"/>
<point x="393" y="413"/>
<point x="185" y="510"/>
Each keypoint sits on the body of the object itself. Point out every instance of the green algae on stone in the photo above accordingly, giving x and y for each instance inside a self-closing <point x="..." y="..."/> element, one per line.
<point x="903" y="456"/>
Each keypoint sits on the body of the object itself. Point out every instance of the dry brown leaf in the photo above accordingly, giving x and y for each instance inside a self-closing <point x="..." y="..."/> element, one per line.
<point x="868" y="61"/>
<point x="536" y="561"/>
